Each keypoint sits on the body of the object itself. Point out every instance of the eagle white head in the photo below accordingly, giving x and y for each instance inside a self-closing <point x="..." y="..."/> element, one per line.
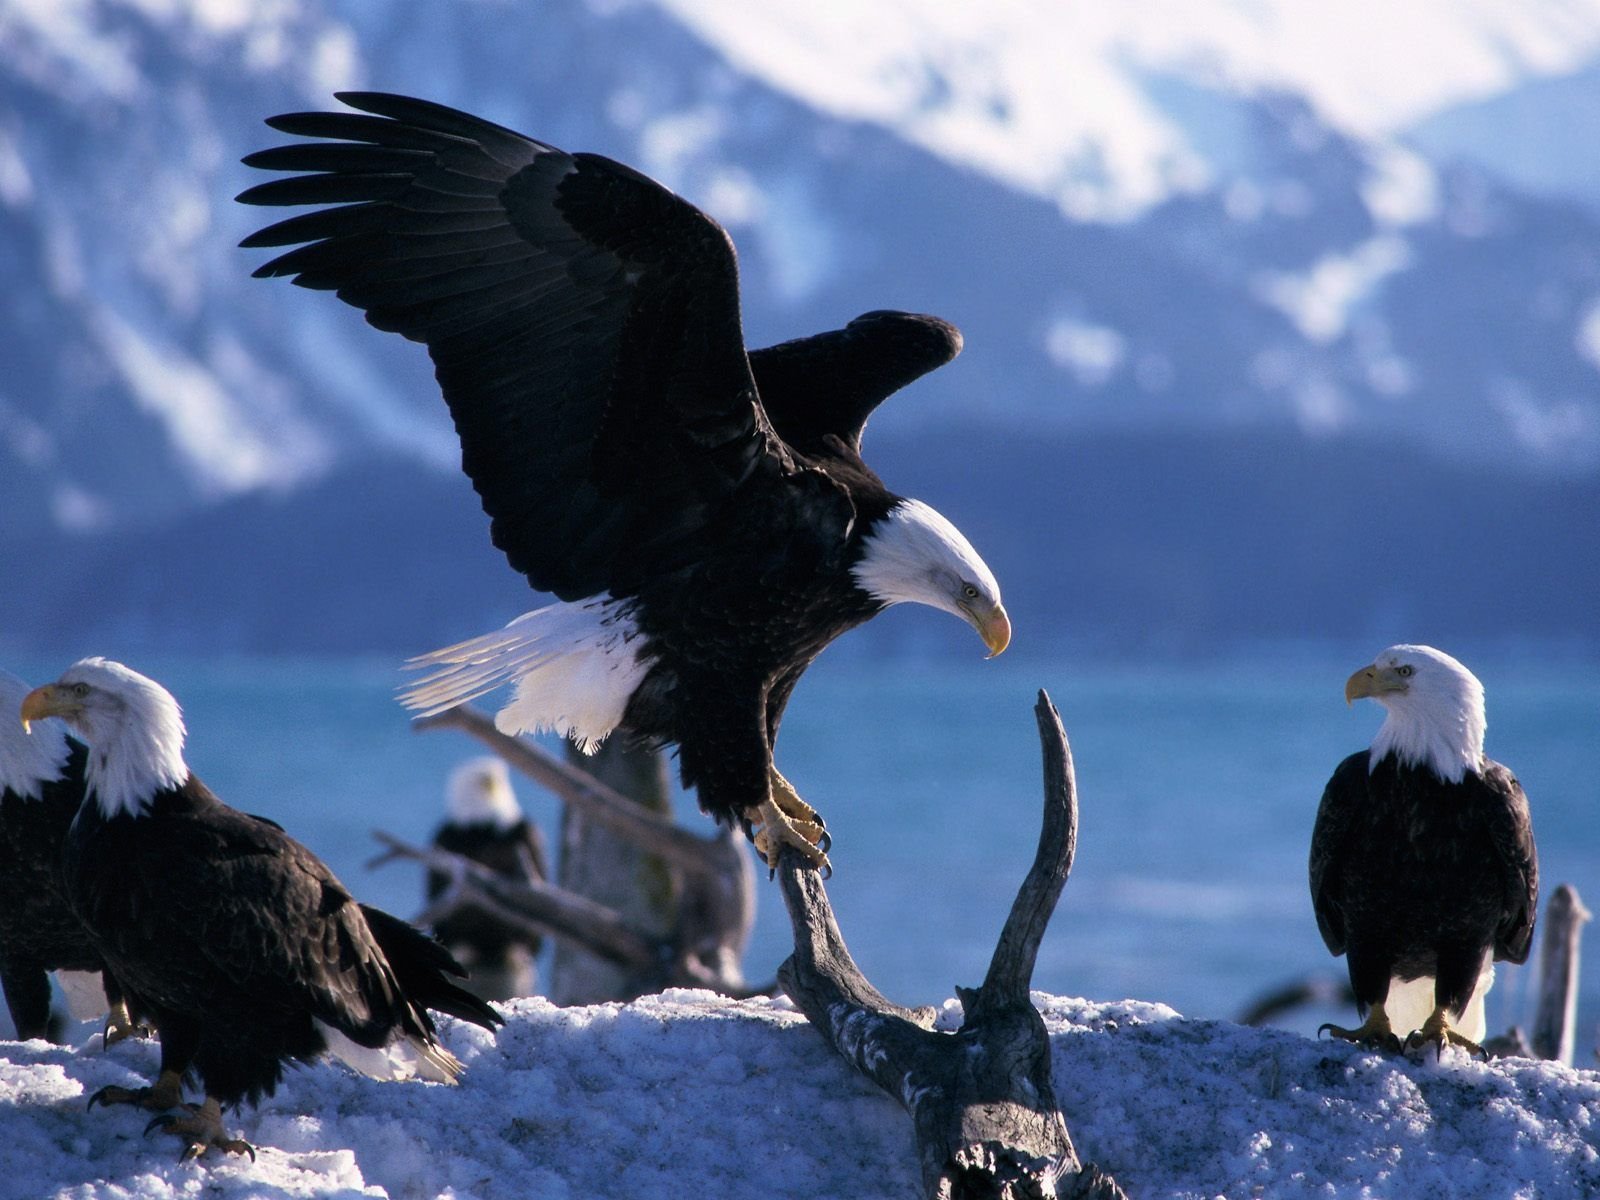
<point x="1435" y="714"/>
<point x="29" y="758"/>
<point x="916" y="555"/>
<point x="132" y="724"/>
<point x="479" y="793"/>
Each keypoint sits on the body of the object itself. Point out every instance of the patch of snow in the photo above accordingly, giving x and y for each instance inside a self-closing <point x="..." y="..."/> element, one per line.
<point x="689" y="1093"/>
<point x="1092" y="353"/>
<point x="1587" y="338"/>
<point x="1058" y="99"/>
<point x="1320" y="301"/>
<point x="226" y="447"/>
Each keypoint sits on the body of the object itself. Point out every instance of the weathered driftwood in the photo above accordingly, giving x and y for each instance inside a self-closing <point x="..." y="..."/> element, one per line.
<point x="709" y="880"/>
<point x="614" y="870"/>
<point x="535" y="907"/>
<point x="683" y="849"/>
<point x="1555" y="1021"/>
<point x="987" y="1124"/>
<point x="1312" y="989"/>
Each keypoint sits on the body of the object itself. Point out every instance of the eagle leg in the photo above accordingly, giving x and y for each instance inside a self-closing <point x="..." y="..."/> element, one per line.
<point x="783" y="819"/>
<point x="165" y="1092"/>
<point x="1375" y="1032"/>
<point x="120" y="1025"/>
<point x="786" y="798"/>
<point x="1436" y="1030"/>
<point x="201" y="1128"/>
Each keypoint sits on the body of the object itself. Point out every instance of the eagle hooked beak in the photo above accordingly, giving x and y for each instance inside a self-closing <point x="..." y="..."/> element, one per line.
<point x="44" y="702"/>
<point x="994" y="627"/>
<point x="1372" y="682"/>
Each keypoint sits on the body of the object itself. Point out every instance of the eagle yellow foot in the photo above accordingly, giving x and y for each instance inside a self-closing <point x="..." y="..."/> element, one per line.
<point x="783" y="819"/>
<point x="1436" y="1031"/>
<point x="166" y="1092"/>
<point x="200" y="1126"/>
<point x="121" y="1026"/>
<point x="1374" y="1033"/>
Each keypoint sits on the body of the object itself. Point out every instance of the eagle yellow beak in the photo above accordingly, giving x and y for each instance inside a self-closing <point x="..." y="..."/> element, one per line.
<point x="995" y="629"/>
<point x="40" y="703"/>
<point x="1372" y="682"/>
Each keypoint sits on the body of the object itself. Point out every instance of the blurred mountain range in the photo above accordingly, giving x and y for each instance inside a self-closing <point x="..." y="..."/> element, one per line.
<point x="1280" y="319"/>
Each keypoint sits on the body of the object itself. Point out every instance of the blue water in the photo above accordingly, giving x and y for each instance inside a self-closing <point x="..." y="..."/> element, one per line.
<point x="1198" y="784"/>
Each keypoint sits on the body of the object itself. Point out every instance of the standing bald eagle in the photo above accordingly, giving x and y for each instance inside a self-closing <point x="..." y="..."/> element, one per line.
<point x="1423" y="867"/>
<point x="239" y="944"/>
<point x="702" y="512"/>
<point x="484" y="822"/>
<point x="41" y="786"/>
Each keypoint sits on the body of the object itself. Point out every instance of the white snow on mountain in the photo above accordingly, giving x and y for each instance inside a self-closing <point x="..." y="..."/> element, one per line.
<point x="1065" y="100"/>
<point x="690" y="1094"/>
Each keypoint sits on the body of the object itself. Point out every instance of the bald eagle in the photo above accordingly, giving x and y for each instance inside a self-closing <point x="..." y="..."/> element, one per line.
<point x="484" y="822"/>
<point x="1423" y="868"/>
<point x="701" y="512"/>
<point x="41" y="786"/>
<point x="239" y="944"/>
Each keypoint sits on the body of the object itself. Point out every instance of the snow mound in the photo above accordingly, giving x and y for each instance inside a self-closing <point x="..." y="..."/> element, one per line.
<point x="690" y="1094"/>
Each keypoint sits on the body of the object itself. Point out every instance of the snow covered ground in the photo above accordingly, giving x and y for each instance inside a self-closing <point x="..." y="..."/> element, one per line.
<point x="689" y="1094"/>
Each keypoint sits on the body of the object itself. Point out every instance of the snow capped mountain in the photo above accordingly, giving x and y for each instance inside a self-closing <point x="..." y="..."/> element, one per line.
<point x="1142" y="216"/>
<point x="1112" y="109"/>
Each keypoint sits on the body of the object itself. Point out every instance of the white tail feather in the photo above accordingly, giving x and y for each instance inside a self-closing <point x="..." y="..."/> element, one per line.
<point x="1410" y="1003"/>
<point x="575" y="666"/>
<point x="403" y="1058"/>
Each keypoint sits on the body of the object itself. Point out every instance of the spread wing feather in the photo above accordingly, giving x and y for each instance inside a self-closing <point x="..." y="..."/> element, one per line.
<point x="829" y="384"/>
<point x="583" y="323"/>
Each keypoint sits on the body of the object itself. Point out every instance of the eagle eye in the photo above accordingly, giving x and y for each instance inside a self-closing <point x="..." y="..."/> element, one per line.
<point x="1405" y="672"/>
<point x="970" y="592"/>
<point x="80" y="690"/>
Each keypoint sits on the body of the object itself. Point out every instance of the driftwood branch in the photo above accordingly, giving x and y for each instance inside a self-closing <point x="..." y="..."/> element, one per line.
<point x="687" y="851"/>
<point x="980" y="1099"/>
<point x="1556" y="1019"/>
<point x="532" y="905"/>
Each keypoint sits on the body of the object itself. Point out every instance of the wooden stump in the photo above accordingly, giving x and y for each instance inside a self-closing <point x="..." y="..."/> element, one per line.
<point x="980" y="1099"/>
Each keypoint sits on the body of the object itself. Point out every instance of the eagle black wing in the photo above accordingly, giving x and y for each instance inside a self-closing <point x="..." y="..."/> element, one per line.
<point x="1505" y="811"/>
<point x="829" y="384"/>
<point x="583" y="322"/>
<point x="276" y="922"/>
<point x="1341" y="801"/>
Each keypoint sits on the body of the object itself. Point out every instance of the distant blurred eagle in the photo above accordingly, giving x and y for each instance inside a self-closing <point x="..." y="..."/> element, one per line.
<point x="1422" y="859"/>
<point x="702" y="512"/>
<point x="484" y="822"/>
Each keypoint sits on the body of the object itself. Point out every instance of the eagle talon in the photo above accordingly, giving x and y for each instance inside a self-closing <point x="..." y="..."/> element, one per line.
<point x="1373" y="1034"/>
<point x="166" y="1092"/>
<point x="201" y="1126"/>
<point x="1436" y="1032"/>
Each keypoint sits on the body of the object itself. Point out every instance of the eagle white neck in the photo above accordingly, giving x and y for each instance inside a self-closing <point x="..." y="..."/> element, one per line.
<point x="27" y="761"/>
<point x="916" y="555"/>
<point x="1441" y="730"/>
<point x="130" y="765"/>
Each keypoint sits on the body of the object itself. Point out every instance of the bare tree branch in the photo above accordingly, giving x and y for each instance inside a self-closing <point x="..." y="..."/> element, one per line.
<point x="1556" y="1020"/>
<point x="980" y="1099"/>
<point x="534" y="905"/>
<point x="676" y="845"/>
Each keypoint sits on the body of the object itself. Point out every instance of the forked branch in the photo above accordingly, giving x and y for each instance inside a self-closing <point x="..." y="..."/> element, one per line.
<point x="981" y="1101"/>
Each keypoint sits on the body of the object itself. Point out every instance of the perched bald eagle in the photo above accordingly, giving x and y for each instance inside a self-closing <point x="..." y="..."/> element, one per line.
<point x="484" y="822"/>
<point x="239" y="944"/>
<point x="702" y="512"/>
<point x="1423" y="869"/>
<point x="41" y="787"/>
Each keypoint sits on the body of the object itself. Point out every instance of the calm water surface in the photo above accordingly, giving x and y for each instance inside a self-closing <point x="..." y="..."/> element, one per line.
<point x="1198" y="785"/>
